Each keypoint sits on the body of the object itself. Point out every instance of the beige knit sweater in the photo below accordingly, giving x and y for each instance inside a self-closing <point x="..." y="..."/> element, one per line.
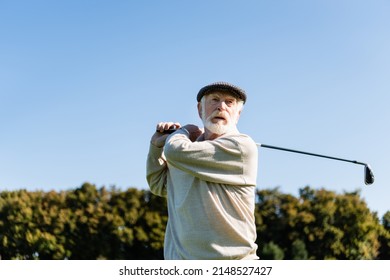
<point x="210" y="187"/>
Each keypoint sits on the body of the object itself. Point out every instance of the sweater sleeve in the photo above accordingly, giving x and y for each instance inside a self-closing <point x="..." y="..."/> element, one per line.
<point x="156" y="171"/>
<point x="230" y="159"/>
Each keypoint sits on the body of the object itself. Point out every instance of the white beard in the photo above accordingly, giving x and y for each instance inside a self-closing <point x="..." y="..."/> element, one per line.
<point x="217" y="128"/>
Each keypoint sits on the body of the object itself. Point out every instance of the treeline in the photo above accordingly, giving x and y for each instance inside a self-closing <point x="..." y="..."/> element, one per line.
<point x="108" y="223"/>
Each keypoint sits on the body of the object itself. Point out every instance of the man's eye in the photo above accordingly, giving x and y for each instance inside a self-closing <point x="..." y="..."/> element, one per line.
<point x="229" y="102"/>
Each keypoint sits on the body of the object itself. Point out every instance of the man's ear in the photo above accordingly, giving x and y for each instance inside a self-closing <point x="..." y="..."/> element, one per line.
<point x="200" y="109"/>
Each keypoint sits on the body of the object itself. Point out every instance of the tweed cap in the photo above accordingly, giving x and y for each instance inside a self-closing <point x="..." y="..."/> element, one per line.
<point x="224" y="87"/>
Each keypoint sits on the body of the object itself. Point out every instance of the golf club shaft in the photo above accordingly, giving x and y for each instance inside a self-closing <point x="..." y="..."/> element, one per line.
<point x="310" y="154"/>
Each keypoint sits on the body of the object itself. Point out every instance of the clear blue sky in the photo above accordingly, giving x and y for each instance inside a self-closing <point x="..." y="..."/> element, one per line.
<point x="83" y="84"/>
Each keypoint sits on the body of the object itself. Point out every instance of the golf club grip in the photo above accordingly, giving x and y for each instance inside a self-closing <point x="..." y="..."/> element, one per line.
<point x="168" y="131"/>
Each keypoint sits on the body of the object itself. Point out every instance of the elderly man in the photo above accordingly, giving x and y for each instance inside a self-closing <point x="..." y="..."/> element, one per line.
<point x="209" y="178"/>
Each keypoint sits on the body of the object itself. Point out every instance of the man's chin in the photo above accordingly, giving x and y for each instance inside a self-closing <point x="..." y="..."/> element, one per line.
<point x="219" y="129"/>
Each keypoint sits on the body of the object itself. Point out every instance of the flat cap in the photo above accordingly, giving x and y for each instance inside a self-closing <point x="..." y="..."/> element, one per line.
<point x="224" y="87"/>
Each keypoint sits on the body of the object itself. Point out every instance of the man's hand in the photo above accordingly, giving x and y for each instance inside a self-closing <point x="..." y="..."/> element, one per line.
<point x="159" y="138"/>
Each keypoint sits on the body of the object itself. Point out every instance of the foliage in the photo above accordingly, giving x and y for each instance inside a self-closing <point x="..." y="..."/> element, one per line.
<point x="100" y="223"/>
<point x="319" y="224"/>
<point x="271" y="251"/>
<point x="384" y="239"/>
<point x="86" y="223"/>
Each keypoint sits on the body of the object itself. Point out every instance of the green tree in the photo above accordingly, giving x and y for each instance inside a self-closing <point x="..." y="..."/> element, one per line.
<point x="272" y="251"/>
<point x="344" y="227"/>
<point x="384" y="250"/>
<point x="329" y="225"/>
<point x="84" y="223"/>
<point x="31" y="225"/>
<point x="298" y="250"/>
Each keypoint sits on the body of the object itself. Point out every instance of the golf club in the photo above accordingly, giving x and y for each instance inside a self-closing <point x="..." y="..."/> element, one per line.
<point x="168" y="131"/>
<point x="368" y="174"/>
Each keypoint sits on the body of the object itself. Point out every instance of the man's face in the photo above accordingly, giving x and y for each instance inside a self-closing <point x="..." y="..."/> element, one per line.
<point x="219" y="112"/>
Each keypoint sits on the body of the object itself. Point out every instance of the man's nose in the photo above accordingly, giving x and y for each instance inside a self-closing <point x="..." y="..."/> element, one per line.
<point x="222" y="105"/>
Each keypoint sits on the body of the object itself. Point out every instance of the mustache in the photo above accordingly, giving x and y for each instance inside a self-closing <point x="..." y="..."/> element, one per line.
<point x="218" y="114"/>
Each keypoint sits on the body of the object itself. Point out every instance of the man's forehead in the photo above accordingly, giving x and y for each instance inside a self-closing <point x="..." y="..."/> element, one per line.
<point x="222" y="94"/>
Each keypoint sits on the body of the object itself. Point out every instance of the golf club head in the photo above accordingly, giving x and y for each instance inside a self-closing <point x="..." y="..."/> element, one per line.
<point x="368" y="175"/>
